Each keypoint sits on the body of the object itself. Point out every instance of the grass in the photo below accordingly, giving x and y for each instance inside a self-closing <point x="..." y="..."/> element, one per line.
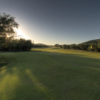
<point x="2" y="61"/>
<point x="69" y="51"/>
<point x="54" y="74"/>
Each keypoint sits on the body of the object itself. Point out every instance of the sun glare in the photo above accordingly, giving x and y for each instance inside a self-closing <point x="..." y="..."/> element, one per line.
<point x="20" y="34"/>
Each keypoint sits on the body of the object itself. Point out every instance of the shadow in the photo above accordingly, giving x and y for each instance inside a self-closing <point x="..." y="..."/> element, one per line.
<point x="49" y="76"/>
<point x="2" y="61"/>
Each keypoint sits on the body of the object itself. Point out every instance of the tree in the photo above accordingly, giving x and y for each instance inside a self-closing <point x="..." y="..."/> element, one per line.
<point x="83" y="46"/>
<point x="93" y="47"/>
<point x="65" y="46"/>
<point x="98" y="45"/>
<point x="73" y="46"/>
<point x="7" y="23"/>
<point x="56" y="45"/>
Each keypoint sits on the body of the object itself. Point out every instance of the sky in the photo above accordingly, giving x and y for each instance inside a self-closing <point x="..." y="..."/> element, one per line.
<point x="55" y="21"/>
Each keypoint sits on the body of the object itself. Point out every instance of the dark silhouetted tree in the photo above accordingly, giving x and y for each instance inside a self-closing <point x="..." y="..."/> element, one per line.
<point x="93" y="47"/>
<point x="98" y="45"/>
<point x="66" y="46"/>
<point x="7" y="23"/>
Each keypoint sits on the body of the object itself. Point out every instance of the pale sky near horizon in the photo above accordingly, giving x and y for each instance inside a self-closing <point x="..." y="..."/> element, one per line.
<point x="56" y="21"/>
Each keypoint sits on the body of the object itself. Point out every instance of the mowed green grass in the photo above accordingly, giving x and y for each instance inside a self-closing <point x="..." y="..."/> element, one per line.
<point x="65" y="75"/>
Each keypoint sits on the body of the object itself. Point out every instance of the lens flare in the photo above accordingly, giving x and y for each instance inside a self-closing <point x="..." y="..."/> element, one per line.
<point x="20" y="34"/>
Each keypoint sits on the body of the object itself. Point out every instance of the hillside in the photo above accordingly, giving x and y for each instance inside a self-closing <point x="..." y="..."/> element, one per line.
<point x="91" y="41"/>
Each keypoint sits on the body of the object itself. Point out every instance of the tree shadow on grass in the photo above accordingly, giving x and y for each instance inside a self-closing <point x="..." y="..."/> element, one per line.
<point x="30" y="88"/>
<point x="51" y="77"/>
<point x="3" y="63"/>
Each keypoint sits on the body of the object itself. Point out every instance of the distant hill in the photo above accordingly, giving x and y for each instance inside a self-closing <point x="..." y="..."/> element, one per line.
<point x="40" y="45"/>
<point x="91" y="41"/>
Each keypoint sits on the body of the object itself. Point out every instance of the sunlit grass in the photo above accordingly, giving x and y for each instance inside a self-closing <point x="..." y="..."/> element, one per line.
<point x="51" y="75"/>
<point x="69" y="51"/>
<point x="36" y="82"/>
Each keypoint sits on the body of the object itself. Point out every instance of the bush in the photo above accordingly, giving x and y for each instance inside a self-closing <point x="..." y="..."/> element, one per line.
<point x="83" y="46"/>
<point x="98" y="45"/>
<point x="66" y="46"/>
<point x="93" y="47"/>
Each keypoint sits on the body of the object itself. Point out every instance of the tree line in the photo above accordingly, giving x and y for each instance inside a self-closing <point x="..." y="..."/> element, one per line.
<point x="7" y="34"/>
<point x="83" y="46"/>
